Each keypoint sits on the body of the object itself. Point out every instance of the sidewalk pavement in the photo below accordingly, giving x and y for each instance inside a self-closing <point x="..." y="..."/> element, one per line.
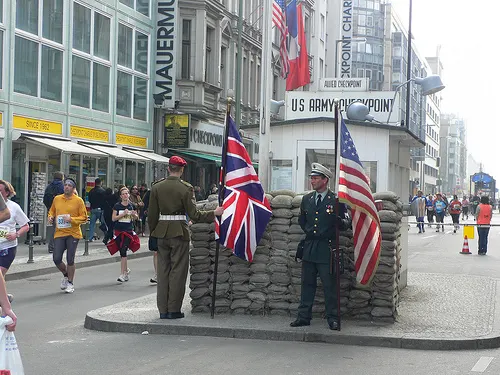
<point x="437" y="312"/>
<point x="43" y="264"/>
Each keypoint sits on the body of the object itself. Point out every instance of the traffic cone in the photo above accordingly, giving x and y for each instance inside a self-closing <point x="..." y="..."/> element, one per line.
<point x="465" y="247"/>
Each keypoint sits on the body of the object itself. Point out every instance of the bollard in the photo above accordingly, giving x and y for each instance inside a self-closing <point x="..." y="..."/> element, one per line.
<point x="87" y="230"/>
<point x="30" y="244"/>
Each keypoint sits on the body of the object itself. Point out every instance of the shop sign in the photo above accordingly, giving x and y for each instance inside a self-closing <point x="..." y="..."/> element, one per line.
<point x="176" y="134"/>
<point x="206" y="137"/>
<point x="346" y="32"/>
<point x="32" y="124"/>
<point x="89" y="133"/>
<point x="165" y="51"/>
<point x="310" y="104"/>
<point x="343" y="84"/>
<point x="1" y="119"/>
<point x="131" y="140"/>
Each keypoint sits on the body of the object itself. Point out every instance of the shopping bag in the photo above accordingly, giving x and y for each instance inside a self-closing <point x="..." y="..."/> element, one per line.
<point x="10" y="358"/>
<point x="469" y="232"/>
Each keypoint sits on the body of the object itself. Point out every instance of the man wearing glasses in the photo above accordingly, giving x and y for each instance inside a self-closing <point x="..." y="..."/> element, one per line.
<point x="68" y="213"/>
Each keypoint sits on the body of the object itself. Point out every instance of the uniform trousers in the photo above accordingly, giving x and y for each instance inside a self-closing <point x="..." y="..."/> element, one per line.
<point x="310" y="273"/>
<point x="173" y="267"/>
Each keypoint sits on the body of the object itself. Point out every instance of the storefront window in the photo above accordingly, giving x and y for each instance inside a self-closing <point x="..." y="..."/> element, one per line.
<point x="80" y="82"/>
<point x="18" y="171"/>
<point x="102" y="171"/>
<point x="54" y="164"/>
<point x="74" y="168"/>
<point x="141" y="173"/>
<point x="118" y="172"/>
<point x="89" y="172"/>
<point x="130" y="173"/>
<point x="52" y="67"/>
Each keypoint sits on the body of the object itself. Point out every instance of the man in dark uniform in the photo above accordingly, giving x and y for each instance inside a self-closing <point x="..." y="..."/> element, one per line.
<point x="170" y="201"/>
<point x="319" y="222"/>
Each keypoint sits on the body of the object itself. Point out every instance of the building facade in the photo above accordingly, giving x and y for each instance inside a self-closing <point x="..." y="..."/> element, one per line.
<point x="453" y="150"/>
<point x="76" y="92"/>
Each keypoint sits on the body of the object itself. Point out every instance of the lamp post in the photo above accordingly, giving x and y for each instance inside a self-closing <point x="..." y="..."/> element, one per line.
<point x="408" y="72"/>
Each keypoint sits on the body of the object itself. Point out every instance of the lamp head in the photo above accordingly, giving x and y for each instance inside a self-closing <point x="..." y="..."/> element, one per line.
<point x="357" y="111"/>
<point x="430" y="84"/>
<point x="275" y="106"/>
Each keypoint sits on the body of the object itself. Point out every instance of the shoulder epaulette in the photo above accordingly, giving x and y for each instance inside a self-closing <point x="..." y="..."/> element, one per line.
<point x="186" y="183"/>
<point x="155" y="182"/>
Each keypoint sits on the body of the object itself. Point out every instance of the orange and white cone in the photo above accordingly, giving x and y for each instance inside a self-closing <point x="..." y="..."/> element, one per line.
<point x="465" y="247"/>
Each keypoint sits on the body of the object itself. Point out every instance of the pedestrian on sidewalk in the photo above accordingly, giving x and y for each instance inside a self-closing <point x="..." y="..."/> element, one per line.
<point x="136" y="200"/>
<point x="8" y="233"/>
<point x="110" y="199"/>
<point x="319" y="223"/>
<point x="170" y="201"/>
<point x="145" y="193"/>
<point x="56" y="187"/>
<point x="97" y="203"/>
<point x="484" y="213"/>
<point x="419" y="203"/>
<point x="124" y="215"/>
<point x="68" y="213"/>
<point x="465" y="208"/>
<point x="455" y="209"/>
<point x="429" y="206"/>
<point x="440" y="210"/>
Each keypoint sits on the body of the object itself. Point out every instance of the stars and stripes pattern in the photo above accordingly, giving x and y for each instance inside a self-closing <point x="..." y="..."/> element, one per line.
<point x="279" y="20"/>
<point x="354" y="190"/>
<point x="246" y="209"/>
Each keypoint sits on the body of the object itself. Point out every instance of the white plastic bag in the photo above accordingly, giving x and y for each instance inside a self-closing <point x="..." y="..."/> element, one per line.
<point x="10" y="358"/>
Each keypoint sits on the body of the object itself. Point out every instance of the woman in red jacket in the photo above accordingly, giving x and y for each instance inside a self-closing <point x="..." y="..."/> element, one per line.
<point x="455" y="209"/>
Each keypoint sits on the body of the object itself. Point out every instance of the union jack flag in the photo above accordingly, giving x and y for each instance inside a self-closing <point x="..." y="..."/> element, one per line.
<point x="279" y="20"/>
<point x="246" y="209"/>
<point x="354" y="189"/>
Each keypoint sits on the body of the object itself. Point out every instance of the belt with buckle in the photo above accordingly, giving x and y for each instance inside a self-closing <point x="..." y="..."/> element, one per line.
<point x="172" y="217"/>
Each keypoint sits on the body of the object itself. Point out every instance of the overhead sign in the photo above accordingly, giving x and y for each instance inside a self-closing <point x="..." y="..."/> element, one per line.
<point x="165" y="51"/>
<point x="88" y="133"/>
<point x="346" y="40"/>
<point x="309" y="104"/>
<point x="33" y="124"/>
<point x="206" y="137"/>
<point x="131" y="140"/>
<point x="343" y="84"/>
<point x="176" y="134"/>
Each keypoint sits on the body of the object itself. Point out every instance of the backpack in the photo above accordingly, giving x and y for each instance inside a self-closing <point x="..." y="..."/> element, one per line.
<point x="48" y="196"/>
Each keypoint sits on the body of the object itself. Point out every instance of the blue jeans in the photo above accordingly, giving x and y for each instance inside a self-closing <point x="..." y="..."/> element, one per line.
<point x="95" y="213"/>
<point x="482" y="232"/>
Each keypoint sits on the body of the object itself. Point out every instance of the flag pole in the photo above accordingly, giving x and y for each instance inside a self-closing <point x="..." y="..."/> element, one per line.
<point x="335" y="256"/>
<point x="222" y="186"/>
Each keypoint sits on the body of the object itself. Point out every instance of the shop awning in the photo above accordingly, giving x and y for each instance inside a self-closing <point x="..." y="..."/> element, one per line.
<point x="149" y="155"/>
<point x="66" y="146"/>
<point x="117" y="152"/>
<point x="215" y="158"/>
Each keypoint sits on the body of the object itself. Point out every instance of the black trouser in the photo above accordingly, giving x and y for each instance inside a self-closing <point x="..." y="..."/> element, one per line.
<point x="310" y="273"/>
<point x="430" y="216"/>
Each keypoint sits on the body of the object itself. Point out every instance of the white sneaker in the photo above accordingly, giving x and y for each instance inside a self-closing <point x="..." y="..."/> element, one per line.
<point x="121" y="278"/>
<point x="64" y="283"/>
<point x="128" y="271"/>
<point x="154" y="279"/>
<point x="70" y="288"/>
<point x="126" y="277"/>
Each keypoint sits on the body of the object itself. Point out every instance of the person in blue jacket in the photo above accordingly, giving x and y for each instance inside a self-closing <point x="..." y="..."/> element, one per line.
<point x="440" y="210"/>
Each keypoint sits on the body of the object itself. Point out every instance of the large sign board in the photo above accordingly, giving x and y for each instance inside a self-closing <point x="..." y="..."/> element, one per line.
<point x="309" y="104"/>
<point x="165" y="51"/>
<point x="206" y="137"/>
<point x="343" y="84"/>
<point x="176" y="134"/>
<point x="346" y="37"/>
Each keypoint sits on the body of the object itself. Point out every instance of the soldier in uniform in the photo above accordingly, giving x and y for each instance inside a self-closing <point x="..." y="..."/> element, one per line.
<point x="319" y="222"/>
<point x="170" y="201"/>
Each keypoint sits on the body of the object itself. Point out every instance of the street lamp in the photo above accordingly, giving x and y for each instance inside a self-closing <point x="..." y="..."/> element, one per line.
<point x="430" y="85"/>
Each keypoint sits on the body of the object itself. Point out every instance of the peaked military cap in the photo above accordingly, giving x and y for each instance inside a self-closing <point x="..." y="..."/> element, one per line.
<point x="320" y="170"/>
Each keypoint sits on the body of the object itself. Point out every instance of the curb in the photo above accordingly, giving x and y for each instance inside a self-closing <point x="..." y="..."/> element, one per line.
<point x="52" y="269"/>
<point x="398" y="342"/>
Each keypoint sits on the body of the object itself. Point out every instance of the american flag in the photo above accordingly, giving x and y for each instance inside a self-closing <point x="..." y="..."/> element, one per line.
<point x="354" y="189"/>
<point x="246" y="209"/>
<point x="279" y="20"/>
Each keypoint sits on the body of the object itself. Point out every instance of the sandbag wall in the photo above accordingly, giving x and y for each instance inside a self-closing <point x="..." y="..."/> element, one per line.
<point x="270" y="285"/>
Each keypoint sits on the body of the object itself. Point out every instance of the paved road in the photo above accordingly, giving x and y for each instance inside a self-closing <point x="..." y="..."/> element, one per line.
<point x="53" y="341"/>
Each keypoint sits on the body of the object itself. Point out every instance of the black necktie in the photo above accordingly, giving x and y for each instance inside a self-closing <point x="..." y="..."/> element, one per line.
<point x="319" y="201"/>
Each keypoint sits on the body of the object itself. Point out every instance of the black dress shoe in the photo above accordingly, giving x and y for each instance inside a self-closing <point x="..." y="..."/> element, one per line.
<point x="334" y="325"/>
<point x="163" y="315"/>
<point x="175" y="315"/>
<point x="299" y="323"/>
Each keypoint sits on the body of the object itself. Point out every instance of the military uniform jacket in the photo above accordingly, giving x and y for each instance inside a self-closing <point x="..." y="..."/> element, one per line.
<point x="319" y="225"/>
<point x="173" y="196"/>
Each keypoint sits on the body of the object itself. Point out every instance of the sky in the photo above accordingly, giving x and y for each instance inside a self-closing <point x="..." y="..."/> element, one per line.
<point x="467" y="33"/>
